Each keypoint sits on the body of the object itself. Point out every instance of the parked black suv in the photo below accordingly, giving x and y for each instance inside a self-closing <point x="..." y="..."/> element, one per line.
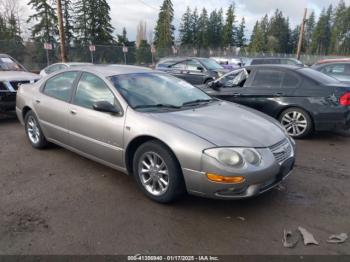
<point x="192" y="69"/>
<point x="302" y="99"/>
<point x="12" y="75"/>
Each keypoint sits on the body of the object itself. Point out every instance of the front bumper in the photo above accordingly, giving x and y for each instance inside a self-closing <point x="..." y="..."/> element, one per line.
<point x="257" y="181"/>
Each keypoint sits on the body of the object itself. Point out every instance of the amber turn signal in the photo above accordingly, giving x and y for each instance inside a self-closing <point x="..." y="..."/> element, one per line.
<point x="225" y="179"/>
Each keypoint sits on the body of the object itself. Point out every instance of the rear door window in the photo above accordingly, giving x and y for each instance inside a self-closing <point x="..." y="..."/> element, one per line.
<point x="61" y="85"/>
<point x="268" y="78"/>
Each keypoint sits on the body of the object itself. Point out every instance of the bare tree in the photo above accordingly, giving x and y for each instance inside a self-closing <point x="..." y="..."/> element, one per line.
<point x="141" y="32"/>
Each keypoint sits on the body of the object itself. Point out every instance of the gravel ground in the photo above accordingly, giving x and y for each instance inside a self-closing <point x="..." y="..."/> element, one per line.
<point x="55" y="202"/>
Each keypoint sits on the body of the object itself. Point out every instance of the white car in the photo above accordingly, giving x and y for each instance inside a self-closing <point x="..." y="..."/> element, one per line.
<point x="12" y="75"/>
<point x="60" y="66"/>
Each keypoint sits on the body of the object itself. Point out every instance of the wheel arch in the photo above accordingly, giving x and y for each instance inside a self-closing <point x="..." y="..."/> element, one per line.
<point x="136" y="143"/>
<point x="25" y="111"/>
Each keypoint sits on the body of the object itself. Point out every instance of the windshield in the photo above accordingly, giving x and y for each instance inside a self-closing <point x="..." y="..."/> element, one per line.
<point x="8" y="64"/>
<point x="156" y="91"/>
<point x="318" y="76"/>
<point x="210" y="64"/>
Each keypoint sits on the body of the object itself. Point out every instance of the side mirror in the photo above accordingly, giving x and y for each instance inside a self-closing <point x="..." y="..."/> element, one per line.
<point x="104" y="106"/>
<point x="215" y="85"/>
<point x="200" y="68"/>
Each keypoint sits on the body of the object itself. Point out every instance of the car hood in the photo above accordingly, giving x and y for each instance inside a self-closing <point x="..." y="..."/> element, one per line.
<point x="17" y="76"/>
<point x="226" y="124"/>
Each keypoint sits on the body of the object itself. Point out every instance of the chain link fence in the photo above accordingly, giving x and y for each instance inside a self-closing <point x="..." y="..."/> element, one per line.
<point x="34" y="57"/>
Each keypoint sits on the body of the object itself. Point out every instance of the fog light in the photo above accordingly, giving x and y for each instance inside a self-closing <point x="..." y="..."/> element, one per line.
<point x="225" y="179"/>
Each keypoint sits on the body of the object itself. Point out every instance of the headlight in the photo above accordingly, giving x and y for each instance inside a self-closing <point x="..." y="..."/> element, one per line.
<point x="235" y="157"/>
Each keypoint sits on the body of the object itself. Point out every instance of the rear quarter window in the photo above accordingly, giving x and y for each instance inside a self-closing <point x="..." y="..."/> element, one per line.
<point x="317" y="76"/>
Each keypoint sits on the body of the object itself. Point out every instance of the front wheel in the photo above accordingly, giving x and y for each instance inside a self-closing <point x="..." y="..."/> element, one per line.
<point x="297" y="122"/>
<point x="157" y="172"/>
<point x="34" y="133"/>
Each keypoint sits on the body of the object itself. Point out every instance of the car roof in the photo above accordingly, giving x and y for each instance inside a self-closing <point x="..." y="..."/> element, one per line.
<point x="288" y="67"/>
<point x="77" y="63"/>
<point x="335" y="60"/>
<point x="178" y="59"/>
<point x="115" y="69"/>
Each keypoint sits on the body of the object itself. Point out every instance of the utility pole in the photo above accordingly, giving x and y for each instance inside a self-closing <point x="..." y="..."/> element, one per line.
<point x="301" y="35"/>
<point x="61" y="31"/>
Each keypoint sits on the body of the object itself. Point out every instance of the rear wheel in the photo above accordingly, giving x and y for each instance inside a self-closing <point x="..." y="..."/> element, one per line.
<point x="34" y="132"/>
<point x="297" y="122"/>
<point x="157" y="172"/>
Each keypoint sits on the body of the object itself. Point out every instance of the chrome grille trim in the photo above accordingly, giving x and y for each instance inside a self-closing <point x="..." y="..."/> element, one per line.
<point x="282" y="150"/>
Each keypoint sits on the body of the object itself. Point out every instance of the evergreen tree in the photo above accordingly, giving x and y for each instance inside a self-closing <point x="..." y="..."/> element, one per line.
<point x="322" y="32"/>
<point x="100" y="23"/>
<point x="81" y="21"/>
<point x="309" y="29"/>
<point x="202" y="31"/>
<point x="257" y="40"/>
<point x="278" y="33"/>
<point x="215" y="29"/>
<point x="340" y="36"/>
<point x="45" y="29"/>
<point x="67" y="21"/>
<point x="194" y="28"/>
<point x="123" y="38"/>
<point x="93" y="22"/>
<point x="265" y="27"/>
<point x="294" y="40"/>
<point x="164" y="30"/>
<point x="240" y="34"/>
<point x="186" y="30"/>
<point x="228" y="30"/>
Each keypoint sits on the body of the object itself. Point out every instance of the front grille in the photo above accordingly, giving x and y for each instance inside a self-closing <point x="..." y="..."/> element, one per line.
<point x="282" y="150"/>
<point x="16" y="84"/>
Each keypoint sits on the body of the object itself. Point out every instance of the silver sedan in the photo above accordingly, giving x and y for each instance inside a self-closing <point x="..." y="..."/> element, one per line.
<point x="172" y="137"/>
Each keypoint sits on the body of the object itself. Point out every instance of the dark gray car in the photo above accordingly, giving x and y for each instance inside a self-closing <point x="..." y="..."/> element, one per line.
<point x="194" y="70"/>
<point x="338" y="70"/>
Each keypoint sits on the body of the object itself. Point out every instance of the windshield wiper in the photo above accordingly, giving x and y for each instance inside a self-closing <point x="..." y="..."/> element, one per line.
<point x="157" y="106"/>
<point x="198" y="101"/>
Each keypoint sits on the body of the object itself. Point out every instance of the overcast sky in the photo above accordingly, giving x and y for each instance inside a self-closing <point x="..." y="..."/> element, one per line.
<point x="127" y="13"/>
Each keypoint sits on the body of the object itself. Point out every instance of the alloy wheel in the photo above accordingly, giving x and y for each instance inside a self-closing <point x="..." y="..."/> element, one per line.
<point x="33" y="130"/>
<point x="153" y="173"/>
<point x="295" y="123"/>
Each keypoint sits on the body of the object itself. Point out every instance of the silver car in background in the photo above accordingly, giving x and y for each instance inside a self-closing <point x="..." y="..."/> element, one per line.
<point x="172" y="137"/>
<point x="61" y="66"/>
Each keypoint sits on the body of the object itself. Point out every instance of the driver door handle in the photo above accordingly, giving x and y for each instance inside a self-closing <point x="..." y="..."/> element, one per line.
<point x="73" y="112"/>
<point x="278" y="94"/>
<point x="37" y="101"/>
<point x="236" y="94"/>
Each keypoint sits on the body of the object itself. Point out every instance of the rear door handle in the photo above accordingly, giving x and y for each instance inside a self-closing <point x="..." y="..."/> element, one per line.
<point x="73" y="112"/>
<point x="37" y="101"/>
<point x="278" y="94"/>
<point x="236" y="94"/>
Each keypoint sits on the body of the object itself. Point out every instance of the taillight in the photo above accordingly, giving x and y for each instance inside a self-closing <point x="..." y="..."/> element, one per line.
<point x="344" y="100"/>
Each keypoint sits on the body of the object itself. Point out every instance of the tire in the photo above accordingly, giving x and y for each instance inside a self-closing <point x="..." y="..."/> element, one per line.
<point x="297" y="122"/>
<point x="33" y="131"/>
<point x="207" y="81"/>
<point x="161" y="181"/>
